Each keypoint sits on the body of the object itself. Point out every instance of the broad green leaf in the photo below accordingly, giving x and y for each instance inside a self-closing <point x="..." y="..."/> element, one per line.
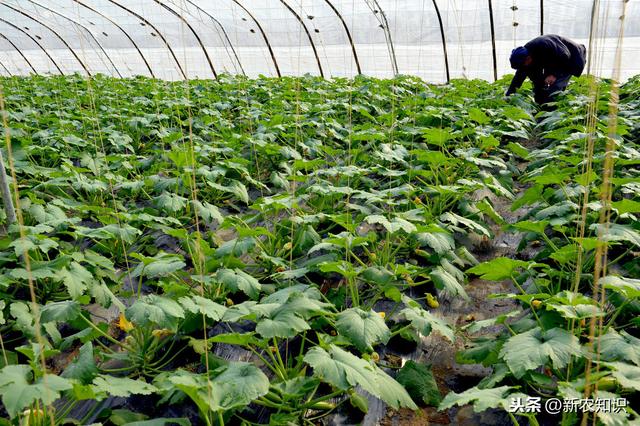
<point x="160" y="265"/>
<point x="440" y="242"/>
<point x="25" y="320"/>
<point x="239" y="311"/>
<point x="534" y="348"/>
<point x="479" y="116"/>
<point x="236" y="385"/>
<point x="628" y="287"/>
<point x="621" y="346"/>
<point x="76" y="278"/>
<point x="424" y="322"/>
<point x="377" y="275"/>
<point x="418" y="380"/>
<point x="617" y="232"/>
<point x="245" y="339"/>
<point x="208" y="212"/>
<point x="19" y="391"/>
<point x="530" y="196"/>
<point x="436" y="136"/>
<point x="565" y="254"/>
<point x="171" y="203"/>
<point x="626" y="206"/>
<point x="201" y="305"/>
<point x="126" y="233"/>
<point x="444" y="280"/>
<point x="482" y="399"/>
<point x="237" y="280"/>
<point x="282" y="323"/>
<point x="518" y="150"/>
<point x="289" y="318"/>
<point x="552" y="175"/>
<point x="105" y="386"/>
<point x="476" y="326"/>
<point x="498" y="269"/>
<point x="83" y="368"/>
<point x="562" y="209"/>
<point x="363" y="329"/>
<point x="626" y="374"/>
<point x="344" y="371"/>
<point x="284" y="294"/>
<point x="121" y="416"/>
<point x="537" y="227"/>
<point x="516" y="113"/>
<point x="30" y="242"/>
<point x="59" y="311"/>
<point x="573" y="306"/>
<point x="236" y="247"/>
<point x="341" y="267"/>
<point x="472" y="225"/>
<point x="396" y="224"/>
<point x="240" y="191"/>
<point x="155" y="310"/>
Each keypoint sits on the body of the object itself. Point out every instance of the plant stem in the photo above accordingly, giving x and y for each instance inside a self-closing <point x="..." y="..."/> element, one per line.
<point x="105" y="335"/>
<point x="322" y="398"/>
<point x="400" y="330"/>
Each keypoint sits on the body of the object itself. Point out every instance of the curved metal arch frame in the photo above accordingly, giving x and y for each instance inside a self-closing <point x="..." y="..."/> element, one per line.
<point x="346" y="29"/>
<point x="387" y="32"/>
<point x="123" y="31"/>
<point x="264" y="36"/>
<point x="73" y="52"/>
<point x="224" y="32"/>
<point x="306" y="30"/>
<point x="195" y="34"/>
<point x="86" y="29"/>
<point x="36" y="42"/>
<point x="6" y="69"/>
<point x="19" y="52"/>
<point x="444" y="40"/>
<point x="164" y="40"/>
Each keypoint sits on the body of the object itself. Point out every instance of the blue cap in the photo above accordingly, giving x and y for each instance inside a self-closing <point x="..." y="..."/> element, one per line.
<point x="518" y="55"/>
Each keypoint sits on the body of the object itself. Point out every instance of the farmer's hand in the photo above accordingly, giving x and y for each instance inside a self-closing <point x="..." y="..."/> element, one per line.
<point x="550" y="80"/>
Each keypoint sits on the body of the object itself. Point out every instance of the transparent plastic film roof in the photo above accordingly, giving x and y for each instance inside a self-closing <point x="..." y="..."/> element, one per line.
<point x="177" y="39"/>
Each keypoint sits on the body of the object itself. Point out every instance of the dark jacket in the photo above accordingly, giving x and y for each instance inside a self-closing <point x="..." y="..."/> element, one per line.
<point x="552" y="55"/>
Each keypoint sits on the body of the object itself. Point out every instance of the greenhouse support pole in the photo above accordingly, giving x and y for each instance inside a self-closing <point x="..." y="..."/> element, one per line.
<point x="493" y="42"/>
<point x="36" y="43"/>
<point x="306" y="30"/>
<point x="264" y="37"/>
<point x="55" y="33"/>
<point x="6" y="69"/>
<point x="124" y="32"/>
<point x="444" y="40"/>
<point x="195" y="34"/>
<point x="2" y="36"/>
<point x="86" y="29"/>
<point x="6" y="192"/>
<point x="224" y="32"/>
<point x="541" y="17"/>
<point x="164" y="40"/>
<point x="346" y="30"/>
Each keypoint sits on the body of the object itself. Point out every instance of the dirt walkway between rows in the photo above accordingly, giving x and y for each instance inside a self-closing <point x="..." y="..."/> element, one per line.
<point x="441" y="354"/>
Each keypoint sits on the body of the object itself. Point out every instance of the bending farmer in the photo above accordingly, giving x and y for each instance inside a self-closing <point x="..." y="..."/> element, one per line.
<point x="549" y="61"/>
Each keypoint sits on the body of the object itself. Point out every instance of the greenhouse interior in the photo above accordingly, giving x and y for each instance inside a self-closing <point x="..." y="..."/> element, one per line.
<point x="320" y="212"/>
